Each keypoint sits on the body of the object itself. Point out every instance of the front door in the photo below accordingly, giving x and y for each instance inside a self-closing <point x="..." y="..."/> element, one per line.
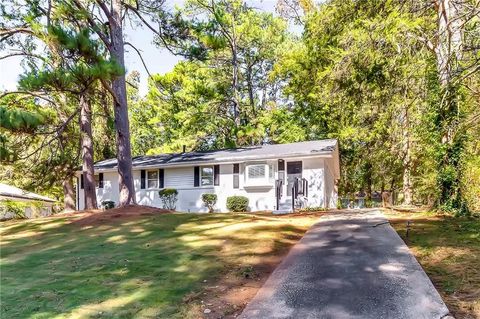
<point x="294" y="170"/>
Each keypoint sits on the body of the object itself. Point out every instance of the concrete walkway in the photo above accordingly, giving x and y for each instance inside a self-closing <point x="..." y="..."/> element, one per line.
<point x="348" y="265"/>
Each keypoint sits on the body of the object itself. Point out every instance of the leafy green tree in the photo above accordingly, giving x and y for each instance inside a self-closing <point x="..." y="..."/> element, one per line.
<point x="357" y="76"/>
<point x="44" y="154"/>
<point x="66" y="70"/>
<point x="78" y="68"/>
<point x="226" y="96"/>
<point x="456" y="48"/>
<point x="146" y="134"/>
<point x="15" y="120"/>
<point x="105" y="19"/>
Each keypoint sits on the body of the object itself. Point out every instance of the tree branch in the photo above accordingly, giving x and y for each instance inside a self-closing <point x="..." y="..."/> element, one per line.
<point x="34" y="94"/>
<point x="149" y="26"/>
<point x="105" y="10"/>
<point x="22" y="54"/>
<point x="109" y="89"/>
<point x="140" y="56"/>
<point x="93" y="24"/>
<point x="15" y="30"/>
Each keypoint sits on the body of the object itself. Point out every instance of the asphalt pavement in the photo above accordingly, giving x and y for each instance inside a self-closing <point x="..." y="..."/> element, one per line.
<point x="348" y="265"/>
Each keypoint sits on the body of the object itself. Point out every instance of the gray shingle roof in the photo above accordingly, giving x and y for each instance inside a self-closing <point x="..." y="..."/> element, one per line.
<point x="229" y="155"/>
<point x="12" y="193"/>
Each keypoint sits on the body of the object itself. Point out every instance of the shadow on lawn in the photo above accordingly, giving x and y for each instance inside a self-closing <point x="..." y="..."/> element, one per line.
<point x="125" y="268"/>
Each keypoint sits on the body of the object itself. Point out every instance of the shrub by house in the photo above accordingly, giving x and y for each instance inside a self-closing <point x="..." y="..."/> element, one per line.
<point x="209" y="200"/>
<point x="169" y="198"/>
<point x="237" y="203"/>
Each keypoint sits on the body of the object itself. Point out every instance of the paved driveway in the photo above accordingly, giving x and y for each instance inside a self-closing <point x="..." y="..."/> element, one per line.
<point x="348" y="265"/>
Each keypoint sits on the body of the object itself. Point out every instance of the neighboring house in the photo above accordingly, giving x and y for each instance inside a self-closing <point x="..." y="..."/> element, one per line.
<point x="15" y="202"/>
<point x="273" y="177"/>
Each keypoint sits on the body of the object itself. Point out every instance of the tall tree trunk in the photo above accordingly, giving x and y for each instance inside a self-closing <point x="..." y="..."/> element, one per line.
<point x="449" y="39"/>
<point x="251" y="95"/>
<point x="90" y="197"/>
<point x="236" y="108"/>
<point x="124" y="153"/>
<point x="68" y="194"/>
<point x="448" y="53"/>
<point x="368" y="181"/>
<point x="392" y="191"/>
<point x="407" y="161"/>
<point x="233" y="46"/>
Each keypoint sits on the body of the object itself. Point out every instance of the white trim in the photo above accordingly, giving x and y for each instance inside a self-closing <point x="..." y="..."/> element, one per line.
<point x="265" y="181"/>
<point x="201" y="176"/>
<point x="286" y="176"/>
<point x="147" y="179"/>
<point x="179" y="188"/>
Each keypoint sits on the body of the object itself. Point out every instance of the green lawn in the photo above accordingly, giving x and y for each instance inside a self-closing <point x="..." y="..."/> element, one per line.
<point x="136" y="267"/>
<point x="449" y="250"/>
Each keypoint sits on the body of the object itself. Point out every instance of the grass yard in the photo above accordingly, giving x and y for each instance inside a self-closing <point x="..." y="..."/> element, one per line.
<point x="144" y="266"/>
<point x="449" y="251"/>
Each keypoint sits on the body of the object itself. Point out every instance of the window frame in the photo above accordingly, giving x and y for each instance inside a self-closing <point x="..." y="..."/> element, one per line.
<point x="267" y="179"/>
<point x="212" y="176"/>
<point x="148" y="179"/>
<point x="236" y="175"/>
<point x="263" y="166"/>
<point x="96" y="177"/>
<point x="99" y="182"/>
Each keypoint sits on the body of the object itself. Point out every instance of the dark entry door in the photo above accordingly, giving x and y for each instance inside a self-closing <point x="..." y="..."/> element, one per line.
<point x="294" y="170"/>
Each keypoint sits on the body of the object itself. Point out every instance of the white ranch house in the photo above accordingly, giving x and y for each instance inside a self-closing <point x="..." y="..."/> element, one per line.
<point x="277" y="177"/>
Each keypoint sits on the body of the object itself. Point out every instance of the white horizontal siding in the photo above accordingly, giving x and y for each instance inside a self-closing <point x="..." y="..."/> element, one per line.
<point x="313" y="172"/>
<point x="178" y="178"/>
<point x="108" y="192"/>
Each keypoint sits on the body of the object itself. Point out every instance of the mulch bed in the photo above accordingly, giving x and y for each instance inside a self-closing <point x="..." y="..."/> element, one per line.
<point x="98" y="216"/>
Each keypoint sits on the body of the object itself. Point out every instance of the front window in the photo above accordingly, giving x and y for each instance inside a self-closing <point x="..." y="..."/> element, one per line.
<point x="152" y="179"/>
<point x="206" y="176"/>
<point x="256" y="171"/>
<point x="259" y="174"/>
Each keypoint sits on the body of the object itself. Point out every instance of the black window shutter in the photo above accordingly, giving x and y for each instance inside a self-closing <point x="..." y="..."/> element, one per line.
<point x="142" y="179"/>
<point x="81" y="181"/>
<point x="100" y="180"/>
<point x="161" y="178"/>
<point x="216" y="175"/>
<point x="281" y="170"/>
<point x="196" y="176"/>
<point x="236" y="179"/>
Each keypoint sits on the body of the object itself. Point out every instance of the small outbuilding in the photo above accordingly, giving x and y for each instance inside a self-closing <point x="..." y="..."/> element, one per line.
<point x="18" y="203"/>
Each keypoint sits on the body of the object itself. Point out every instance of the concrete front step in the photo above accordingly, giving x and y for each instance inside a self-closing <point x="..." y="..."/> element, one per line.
<point x="283" y="208"/>
<point x="282" y="211"/>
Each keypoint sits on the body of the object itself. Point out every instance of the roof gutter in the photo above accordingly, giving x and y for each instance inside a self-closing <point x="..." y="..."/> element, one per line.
<point x="8" y="195"/>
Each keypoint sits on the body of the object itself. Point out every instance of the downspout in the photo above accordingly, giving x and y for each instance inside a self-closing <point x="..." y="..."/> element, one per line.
<point x="324" y="186"/>
<point x="78" y="194"/>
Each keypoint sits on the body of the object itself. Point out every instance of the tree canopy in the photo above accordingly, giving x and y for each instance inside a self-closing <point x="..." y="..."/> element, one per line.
<point x="396" y="82"/>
